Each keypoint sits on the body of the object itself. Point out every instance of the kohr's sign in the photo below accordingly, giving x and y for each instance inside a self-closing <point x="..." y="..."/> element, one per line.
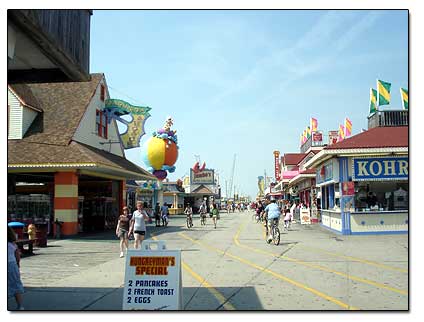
<point x="385" y="168"/>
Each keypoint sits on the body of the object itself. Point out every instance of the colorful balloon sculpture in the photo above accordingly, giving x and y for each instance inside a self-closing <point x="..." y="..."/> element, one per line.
<point x="160" y="152"/>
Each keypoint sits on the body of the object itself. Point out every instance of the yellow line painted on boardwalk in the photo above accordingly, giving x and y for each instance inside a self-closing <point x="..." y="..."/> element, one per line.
<point x="277" y="275"/>
<point x="322" y="268"/>
<point x="221" y="298"/>
<point x="355" y="259"/>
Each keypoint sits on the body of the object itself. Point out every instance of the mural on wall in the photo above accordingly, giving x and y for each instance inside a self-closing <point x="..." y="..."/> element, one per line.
<point x="116" y="108"/>
<point x="160" y="152"/>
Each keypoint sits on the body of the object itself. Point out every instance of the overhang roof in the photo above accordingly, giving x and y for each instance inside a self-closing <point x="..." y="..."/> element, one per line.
<point x="34" y="157"/>
<point x="63" y="105"/>
<point x="378" y="137"/>
<point x="202" y="190"/>
<point x="25" y="96"/>
<point x="293" y="158"/>
<point x="377" y="141"/>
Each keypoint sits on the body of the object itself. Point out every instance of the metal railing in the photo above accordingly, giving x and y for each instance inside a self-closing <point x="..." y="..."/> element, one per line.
<point x="388" y="118"/>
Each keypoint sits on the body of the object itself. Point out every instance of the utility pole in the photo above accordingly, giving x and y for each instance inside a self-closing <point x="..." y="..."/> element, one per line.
<point x="232" y="175"/>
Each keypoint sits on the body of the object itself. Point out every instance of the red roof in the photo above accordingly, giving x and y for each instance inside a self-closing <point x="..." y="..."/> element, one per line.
<point x="293" y="158"/>
<point x="308" y="171"/>
<point x="378" y="137"/>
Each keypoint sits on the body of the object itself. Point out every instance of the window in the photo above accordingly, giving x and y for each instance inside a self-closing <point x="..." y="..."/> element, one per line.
<point x="102" y="93"/>
<point x="101" y="124"/>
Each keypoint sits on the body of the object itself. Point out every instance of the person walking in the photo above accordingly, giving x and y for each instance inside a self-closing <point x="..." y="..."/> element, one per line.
<point x="202" y="211"/>
<point x="14" y="282"/>
<point x="292" y="210"/>
<point x="215" y="214"/>
<point x="157" y="215"/>
<point x="164" y="214"/>
<point x="122" y="230"/>
<point x="287" y="218"/>
<point x="138" y="225"/>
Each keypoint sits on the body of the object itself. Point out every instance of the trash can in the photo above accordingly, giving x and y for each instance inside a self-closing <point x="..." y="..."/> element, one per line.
<point x="41" y="235"/>
<point x="18" y="228"/>
<point x="58" y="226"/>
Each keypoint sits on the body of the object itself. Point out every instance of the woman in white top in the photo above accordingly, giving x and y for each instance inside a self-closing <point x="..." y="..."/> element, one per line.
<point x="138" y="225"/>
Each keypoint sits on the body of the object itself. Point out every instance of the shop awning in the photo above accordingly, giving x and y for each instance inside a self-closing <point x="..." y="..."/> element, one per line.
<point x="287" y="175"/>
<point x="24" y="156"/>
<point x="307" y="174"/>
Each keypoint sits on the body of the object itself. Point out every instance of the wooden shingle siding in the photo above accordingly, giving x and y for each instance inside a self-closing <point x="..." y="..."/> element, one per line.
<point x="15" y="117"/>
<point x="70" y="29"/>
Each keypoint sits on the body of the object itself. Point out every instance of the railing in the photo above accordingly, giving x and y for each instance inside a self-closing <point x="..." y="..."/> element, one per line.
<point x="388" y="118"/>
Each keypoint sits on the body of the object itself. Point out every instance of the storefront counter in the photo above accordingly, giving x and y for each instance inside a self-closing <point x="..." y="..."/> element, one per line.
<point x="331" y="219"/>
<point x="371" y="222"/>
<point x="176" y="211"/>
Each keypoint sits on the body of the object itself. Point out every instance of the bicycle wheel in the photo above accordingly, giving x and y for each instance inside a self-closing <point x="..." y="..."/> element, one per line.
<point x="276" y="235"/>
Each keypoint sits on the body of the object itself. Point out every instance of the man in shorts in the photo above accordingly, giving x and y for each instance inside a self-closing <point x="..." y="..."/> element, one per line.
<point x="272" y="212"/>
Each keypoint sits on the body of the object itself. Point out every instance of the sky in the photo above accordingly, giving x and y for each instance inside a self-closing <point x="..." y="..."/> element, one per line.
<point x="246" y="83"/>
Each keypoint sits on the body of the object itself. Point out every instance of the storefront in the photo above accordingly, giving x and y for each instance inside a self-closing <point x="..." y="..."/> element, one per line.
<point x="307" y="193"/>
<point x="364" y="189"/>
<point x="381" y="192"/>
<point x="66" y="160"/>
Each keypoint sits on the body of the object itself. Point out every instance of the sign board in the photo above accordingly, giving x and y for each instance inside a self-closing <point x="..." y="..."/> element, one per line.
<point x="348" y="188"/>
<point x="152" y="278"/>
<point x="378" y="169"/>
<point x="305" y="216"/>
<point x="317" y="137"/>
<point x="277" y="165"/>
<point x="204" y="177"/>
<point x="332" y="137"/>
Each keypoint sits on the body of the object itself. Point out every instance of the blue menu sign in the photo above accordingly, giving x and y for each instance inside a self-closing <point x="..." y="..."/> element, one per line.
<point x="383" y="168"/>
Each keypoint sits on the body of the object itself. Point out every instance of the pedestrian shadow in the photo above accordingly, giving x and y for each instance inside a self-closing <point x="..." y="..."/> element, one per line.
<point x="110" y="299"/>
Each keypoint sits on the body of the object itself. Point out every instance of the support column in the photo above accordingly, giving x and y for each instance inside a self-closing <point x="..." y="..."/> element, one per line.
<point x="122" y="196"/>
<point x="66" y="202"/>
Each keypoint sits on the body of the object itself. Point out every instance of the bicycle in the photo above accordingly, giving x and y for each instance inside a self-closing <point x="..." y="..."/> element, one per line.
<point x="275" y="233"/>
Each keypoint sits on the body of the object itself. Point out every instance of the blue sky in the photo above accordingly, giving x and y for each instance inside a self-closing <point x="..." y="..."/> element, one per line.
<point x="247" y="82"/>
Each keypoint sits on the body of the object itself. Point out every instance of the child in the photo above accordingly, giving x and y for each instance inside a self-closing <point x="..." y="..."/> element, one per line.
<point x="287" y="219"/>
<point x="31" y="232"/>
<point x="14" y="283"/>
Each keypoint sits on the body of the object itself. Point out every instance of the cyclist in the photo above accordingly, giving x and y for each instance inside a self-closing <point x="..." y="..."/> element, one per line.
<point x="272" y="212"/>
<point x="259" y="210"/>
<point x="189" y="212"/>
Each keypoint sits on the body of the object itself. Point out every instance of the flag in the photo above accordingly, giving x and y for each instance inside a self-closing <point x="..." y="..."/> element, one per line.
<point x="373" y="101"/>
<point x="304" y="136"/>
<point x="405" y="98"/>
<point x="308" y="132"/>
<point x="348" y="127"/>
<point x="314" y="124"/>
<point x="383" y="89"/>
<point x="341" y="133"/>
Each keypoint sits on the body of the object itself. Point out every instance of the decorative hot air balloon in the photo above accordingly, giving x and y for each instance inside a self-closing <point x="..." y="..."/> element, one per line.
<point x="160" y="152"/>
